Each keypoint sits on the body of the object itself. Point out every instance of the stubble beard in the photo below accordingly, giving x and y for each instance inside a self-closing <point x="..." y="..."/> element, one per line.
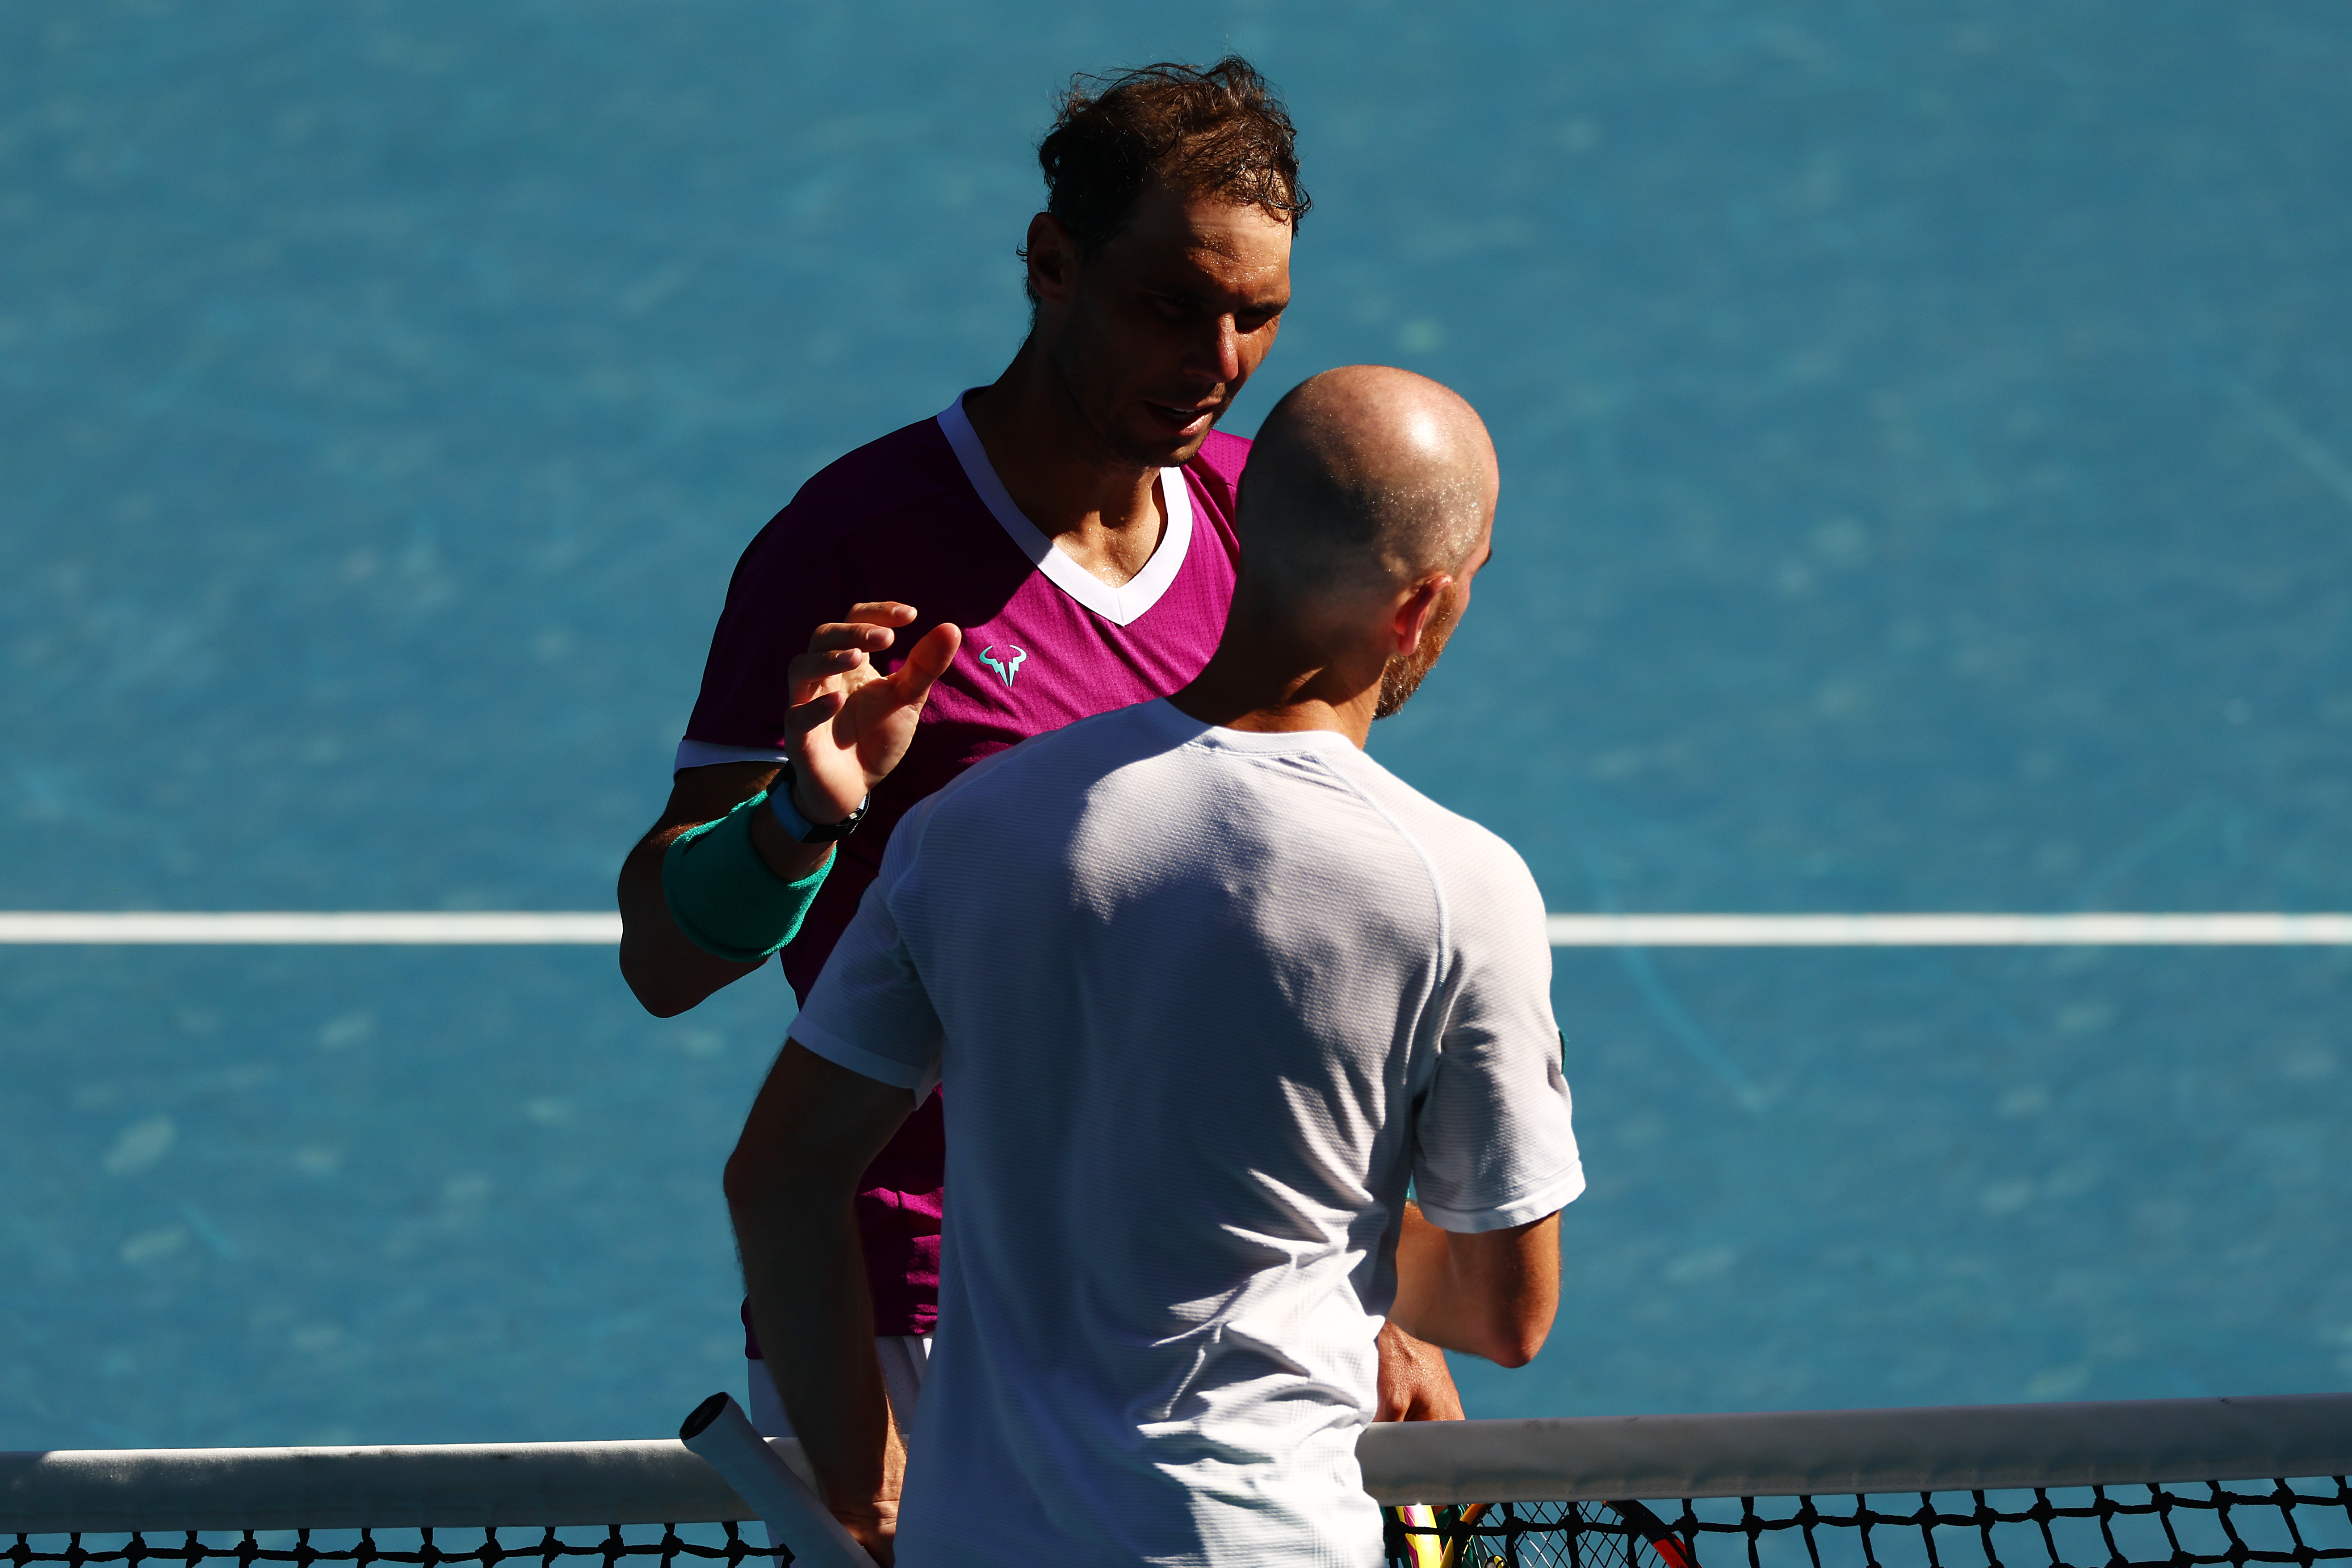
<point x="1082" y="367"/>
<point x="1403" y="674"/>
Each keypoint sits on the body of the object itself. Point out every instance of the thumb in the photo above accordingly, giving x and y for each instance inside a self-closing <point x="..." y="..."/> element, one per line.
<point x="926" y="662"/>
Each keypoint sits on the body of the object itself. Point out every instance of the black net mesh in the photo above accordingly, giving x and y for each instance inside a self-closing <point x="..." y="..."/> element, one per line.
<point x="2180" y="1526"/>
<point x="2177" y="1525"/>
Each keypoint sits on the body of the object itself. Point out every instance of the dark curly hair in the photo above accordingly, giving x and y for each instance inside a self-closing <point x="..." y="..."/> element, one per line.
<point x="1220" y="131"/>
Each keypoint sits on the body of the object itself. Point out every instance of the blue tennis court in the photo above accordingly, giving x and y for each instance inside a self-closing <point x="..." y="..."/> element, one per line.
<point x="1927" y="486"/>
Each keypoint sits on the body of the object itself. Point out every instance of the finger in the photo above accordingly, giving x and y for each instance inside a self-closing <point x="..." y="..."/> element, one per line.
<point x="881" y="613"/>
<point x="808" y="673"/>
<point x="806" y="717"/>
<point x="1441" y="1401"/>
<point x="926" y="662"/>
<point x="850" y="634"/>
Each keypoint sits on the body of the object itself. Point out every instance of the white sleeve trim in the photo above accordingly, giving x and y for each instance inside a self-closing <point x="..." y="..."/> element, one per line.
<point x="1546" y="1199"/>
<point x="918" y="1081"/>
<point x="705" y="754"/>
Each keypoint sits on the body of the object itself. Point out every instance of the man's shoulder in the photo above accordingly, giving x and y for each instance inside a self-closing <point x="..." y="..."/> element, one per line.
<point x="1475" y="865"/>
<point x="1068" y="759"/>
<point x="968" y="807"/>
<point x="912" y="469"/>
<point x="1081" y="749"/>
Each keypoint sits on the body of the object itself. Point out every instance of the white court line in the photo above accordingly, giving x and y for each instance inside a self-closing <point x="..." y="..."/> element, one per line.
<point x="428" y="928"/>
<point x="1950" y="931"/>
<point x="486" y="928"/>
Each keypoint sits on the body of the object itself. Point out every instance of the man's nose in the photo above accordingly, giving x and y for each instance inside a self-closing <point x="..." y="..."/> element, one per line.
<point x="1222" y="350"/>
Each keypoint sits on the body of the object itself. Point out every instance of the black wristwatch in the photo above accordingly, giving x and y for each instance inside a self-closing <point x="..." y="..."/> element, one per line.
<point x="804" y="831"/>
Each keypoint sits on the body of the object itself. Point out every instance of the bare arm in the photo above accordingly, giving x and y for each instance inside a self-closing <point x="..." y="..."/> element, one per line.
<point x="1491" y="1294"/>
<point x="812" y="1132"/>
<point x="667" y="973"/>
<point x="849" y="726"/>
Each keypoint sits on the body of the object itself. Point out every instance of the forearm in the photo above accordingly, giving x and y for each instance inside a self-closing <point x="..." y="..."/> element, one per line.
<point x="805" y="1271"/>
<point x="812" y="1130"/>
<point x="665" y="973"/>
<point x="1490" y="1295"/>
<point x="666" y="970"/>
<point x="786" y="857"/>
<point x="1426" y="1304"/>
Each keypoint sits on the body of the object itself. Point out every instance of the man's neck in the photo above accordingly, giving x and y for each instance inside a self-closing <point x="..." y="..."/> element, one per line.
<point x="1244" y="686"/>
<point x="1100" y="509"/>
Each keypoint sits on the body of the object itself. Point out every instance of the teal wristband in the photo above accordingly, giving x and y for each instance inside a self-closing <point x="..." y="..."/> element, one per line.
<point x="723" y="897"/>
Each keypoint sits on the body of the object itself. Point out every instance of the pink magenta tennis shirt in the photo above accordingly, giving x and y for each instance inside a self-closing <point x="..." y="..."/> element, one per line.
<point x="921" y="516"/>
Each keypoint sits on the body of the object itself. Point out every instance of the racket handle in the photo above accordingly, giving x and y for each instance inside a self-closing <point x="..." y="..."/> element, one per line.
<point x="723" y="1435"/>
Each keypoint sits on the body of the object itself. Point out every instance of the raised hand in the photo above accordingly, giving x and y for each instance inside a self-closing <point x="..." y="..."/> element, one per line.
<point x="850" y="724"/>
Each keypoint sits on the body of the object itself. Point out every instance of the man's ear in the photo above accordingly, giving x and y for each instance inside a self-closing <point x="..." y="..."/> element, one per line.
<point x="1053" y="261"/>
<point x="1417" y="610"/>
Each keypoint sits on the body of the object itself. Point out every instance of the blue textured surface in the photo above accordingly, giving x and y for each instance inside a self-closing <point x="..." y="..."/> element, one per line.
<point x="1928" y="485"/>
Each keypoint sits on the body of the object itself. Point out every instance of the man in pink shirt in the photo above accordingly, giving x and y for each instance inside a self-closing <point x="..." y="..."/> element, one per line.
<point x="1050" y="547"/>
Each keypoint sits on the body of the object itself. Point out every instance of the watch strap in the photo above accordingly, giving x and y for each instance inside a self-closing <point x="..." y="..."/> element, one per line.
<point x="804" y="831"/>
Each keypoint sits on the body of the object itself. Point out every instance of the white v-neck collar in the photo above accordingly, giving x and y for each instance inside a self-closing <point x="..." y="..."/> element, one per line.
<point x="1120" y="605"/>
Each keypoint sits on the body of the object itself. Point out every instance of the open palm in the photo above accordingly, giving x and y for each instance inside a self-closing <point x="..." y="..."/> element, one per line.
<point x="849" y="725"/>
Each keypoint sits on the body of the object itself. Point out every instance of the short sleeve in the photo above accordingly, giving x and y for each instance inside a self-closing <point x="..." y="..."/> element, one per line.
<point x="868" y="1011"/>
<point x="1494" y="1141"/>
<point x="790" y="580"/>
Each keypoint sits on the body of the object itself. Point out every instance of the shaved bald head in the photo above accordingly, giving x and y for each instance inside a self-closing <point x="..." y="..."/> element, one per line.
<point x="1363" y="480"/>
<point x="1365" y="514"/>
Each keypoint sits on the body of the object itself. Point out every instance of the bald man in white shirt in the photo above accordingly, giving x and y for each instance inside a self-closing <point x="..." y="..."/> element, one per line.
<point x="1207" y="989"/>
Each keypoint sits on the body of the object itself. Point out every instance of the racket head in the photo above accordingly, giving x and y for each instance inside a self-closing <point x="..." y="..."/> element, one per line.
<point x="1624" y="1534"/>
<point x="1661" y="1547"/>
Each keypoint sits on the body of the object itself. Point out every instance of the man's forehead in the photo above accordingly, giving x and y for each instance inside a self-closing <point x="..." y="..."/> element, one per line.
<point x="1238" y="245"/>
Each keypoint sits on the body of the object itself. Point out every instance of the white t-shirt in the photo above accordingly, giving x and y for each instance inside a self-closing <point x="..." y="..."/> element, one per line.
<point x="1203" y="1002"/>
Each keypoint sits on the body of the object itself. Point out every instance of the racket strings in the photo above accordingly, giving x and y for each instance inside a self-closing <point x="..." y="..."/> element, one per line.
<point x="1535" y="1535"/>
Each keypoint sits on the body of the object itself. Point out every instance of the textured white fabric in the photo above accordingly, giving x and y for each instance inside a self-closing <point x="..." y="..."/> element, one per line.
<point x="1203" y="1002"/>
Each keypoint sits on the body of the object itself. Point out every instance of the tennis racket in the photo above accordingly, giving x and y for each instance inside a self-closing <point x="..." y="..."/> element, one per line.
<point x="723" y="1435"/>
<point x="1611" y="1535"/>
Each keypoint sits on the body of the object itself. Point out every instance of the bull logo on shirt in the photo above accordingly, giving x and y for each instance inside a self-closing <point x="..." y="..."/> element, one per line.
<point x="1007" y="666"/>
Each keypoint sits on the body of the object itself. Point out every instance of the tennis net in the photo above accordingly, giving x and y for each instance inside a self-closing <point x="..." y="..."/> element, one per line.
<point x="2178" y="1482"/>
